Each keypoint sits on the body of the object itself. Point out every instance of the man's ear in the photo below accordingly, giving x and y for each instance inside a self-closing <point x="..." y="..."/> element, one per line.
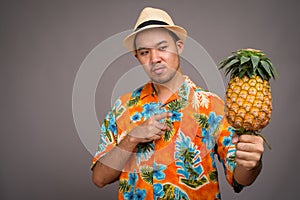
<point x="135" y="54"/>
<point x="179" y="45"/>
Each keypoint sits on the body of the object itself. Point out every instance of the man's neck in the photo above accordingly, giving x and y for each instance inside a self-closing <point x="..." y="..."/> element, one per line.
<point x="166" y="90"/>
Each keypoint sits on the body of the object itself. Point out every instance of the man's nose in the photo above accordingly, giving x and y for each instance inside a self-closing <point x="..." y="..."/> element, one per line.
<point x="155" y="56"/>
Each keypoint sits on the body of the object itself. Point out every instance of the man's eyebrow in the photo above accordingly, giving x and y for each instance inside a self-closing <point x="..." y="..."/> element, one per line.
<point x="159" y="43"/>
<point x="142" y="48"/>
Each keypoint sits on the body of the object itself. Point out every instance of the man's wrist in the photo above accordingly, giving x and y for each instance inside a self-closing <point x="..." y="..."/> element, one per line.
<point x="131" y="140"/>
<point x="129" y="143"/>
<point x="116" y="158"/>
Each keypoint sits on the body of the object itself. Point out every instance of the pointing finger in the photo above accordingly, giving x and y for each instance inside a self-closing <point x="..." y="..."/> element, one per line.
<point x="161" y="116"/>
<point x="161" y="126"/>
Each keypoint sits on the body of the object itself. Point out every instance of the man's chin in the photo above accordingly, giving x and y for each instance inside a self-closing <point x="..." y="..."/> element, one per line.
<point x="160" y="81"/>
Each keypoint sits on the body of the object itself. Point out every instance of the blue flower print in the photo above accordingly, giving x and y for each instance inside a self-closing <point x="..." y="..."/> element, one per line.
<point x="179" y="194"/>
<point x="218" y="196"/>
<point x="129" y="195"/>
<point x="151" y="109"/>
<point x="175" y="115"/>
<point x="103" y="128"/>
<point x="158" y="171"/>
<point x="213" y="120"/>
<point x="133" y="178"/>
<point x="112" y="123"/>
<point x="103" y="142"/>
<point x="136" y="117"/>
<point x="158" y="190"/>
<point x="134" y="193"/>
<point x="112" y="128"/>
<point x="140" y="194"/>
<point x="137" y="92"/>
<point x="231" y="130"/>
<point x="208" y="139"/>
<point x="226" y="141"/>
<point x="212" y="155"/>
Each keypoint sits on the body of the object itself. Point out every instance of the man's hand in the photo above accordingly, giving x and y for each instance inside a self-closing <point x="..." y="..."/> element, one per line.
<point x="249" y="150"/>
<point x="109" y="167"/>
<point x="149" y="130"/>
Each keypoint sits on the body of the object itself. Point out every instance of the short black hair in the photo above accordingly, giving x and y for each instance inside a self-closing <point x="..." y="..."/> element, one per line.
<point x="172" y="34"/>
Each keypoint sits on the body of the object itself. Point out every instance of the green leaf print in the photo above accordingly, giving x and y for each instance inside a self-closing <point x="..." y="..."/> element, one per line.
<point x="147" y="174"/>
<point x="124" y="186"/>
<point x="120" y="111"/>
<point x="133" y="102"/>
<point x="194" y="183"/>
<point x="202" y="120"/>
<point x="175" y="105"/>
<point x="107" y="133"/>
<point x="213" y="176"/>
<point x="187" y="156"/>
<point x="145" y="147"/>
<point x="168" y="134"/>
<point x="183" y="90"/>
<point x="170" y="190"/>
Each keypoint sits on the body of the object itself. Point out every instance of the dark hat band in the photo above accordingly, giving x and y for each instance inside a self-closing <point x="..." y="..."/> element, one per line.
<point x="150" y="22"/>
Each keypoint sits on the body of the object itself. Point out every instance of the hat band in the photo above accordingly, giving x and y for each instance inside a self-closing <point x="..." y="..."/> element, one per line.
<point x="150" y="22"/>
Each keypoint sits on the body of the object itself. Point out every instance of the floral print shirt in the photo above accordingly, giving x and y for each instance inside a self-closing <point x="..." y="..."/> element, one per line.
<point x="180" y="165"/>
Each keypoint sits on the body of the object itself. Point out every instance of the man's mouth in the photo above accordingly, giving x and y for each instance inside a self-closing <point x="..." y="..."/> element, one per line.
<point x="158" y="69"/>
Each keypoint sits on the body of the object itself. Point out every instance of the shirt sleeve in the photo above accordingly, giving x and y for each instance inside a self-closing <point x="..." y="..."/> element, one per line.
<point x="107" y="137"/>
<point x="226" y="154"/>
<point x="225" y="149"/>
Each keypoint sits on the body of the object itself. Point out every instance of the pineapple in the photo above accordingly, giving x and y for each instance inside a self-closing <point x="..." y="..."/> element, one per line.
<point x="248" y="104"/>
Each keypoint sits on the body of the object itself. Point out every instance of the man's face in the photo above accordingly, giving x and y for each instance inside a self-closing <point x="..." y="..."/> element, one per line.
<point x="159" y="54"/>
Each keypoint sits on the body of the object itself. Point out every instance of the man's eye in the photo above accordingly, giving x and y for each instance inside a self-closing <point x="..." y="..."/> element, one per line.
<point x="142" y="53"/>
<point x="163" y="48"/>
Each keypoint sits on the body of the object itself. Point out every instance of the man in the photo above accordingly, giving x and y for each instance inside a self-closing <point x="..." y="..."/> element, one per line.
<point x="160" y="140"/>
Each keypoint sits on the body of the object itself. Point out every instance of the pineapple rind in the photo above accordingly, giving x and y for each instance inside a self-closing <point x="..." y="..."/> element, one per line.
<point x="248" y="108"/>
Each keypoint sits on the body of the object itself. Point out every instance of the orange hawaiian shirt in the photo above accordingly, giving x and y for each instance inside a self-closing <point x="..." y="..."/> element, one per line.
<point x="180" y="165"/>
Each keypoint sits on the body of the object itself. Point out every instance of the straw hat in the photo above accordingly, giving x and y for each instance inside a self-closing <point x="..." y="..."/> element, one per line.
<point x="153" y="18"/>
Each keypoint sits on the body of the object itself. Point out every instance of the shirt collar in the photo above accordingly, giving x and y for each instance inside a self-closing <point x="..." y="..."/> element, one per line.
<point x="182" y="92"/>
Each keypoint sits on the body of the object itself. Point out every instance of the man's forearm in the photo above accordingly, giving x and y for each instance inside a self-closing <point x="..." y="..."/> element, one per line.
<point x="109" y="167"/>
<point x="246" y="176"/>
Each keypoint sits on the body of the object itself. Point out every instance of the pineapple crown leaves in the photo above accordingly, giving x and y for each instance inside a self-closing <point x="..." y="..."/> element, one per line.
<point x="249" y="62"/>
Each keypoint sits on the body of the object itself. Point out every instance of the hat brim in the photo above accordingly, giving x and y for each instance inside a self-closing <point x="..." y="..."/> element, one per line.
<point x="128" y="42"/>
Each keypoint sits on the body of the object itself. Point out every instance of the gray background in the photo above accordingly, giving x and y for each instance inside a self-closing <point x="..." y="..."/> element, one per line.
<point x="42" y="45"/>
